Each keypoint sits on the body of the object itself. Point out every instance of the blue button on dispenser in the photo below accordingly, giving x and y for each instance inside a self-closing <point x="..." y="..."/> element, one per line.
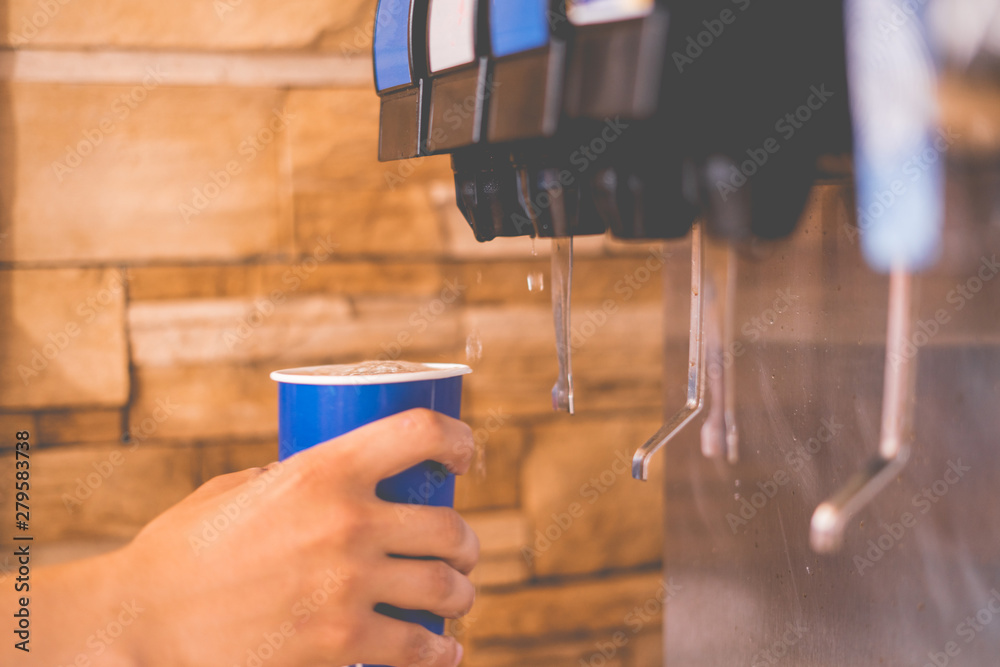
<point x="518" y="25"/>
<point x="400" y="59"/>
<point x="392" y="44"/>
<point x="529" y="64"/>
<point x="894" y="105"/>
<point x="461" y="90"/>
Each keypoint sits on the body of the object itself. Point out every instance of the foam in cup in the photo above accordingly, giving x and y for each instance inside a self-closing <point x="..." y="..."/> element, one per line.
<point x="369" y="372"/>
<point x="367" y="368"/>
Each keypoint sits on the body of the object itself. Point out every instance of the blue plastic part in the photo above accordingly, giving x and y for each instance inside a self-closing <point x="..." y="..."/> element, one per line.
<point x="309" y="415"/>
<point x="392" y="44"/>
<point x="518" y="25"/>
<point x="898" y="152"/>
<point x="901" y="207"/>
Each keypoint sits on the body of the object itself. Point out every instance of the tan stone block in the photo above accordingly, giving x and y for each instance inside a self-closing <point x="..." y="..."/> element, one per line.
<point x="513" y="281"/>
<point x="102" y="491"/>
<point x="595" y="280"/>
<point x="500" y="571"/>
<point x="178" y="283"/>
<point x="166" y="283"/>
<point x="204" y="402"/>
<point x="385" y="278"/>
<point x="97" y="180"/>
<point x="620" y="366"/>
<point x="616" y="361"/>
<point x="370" y="222"/>
<point x="411" y="329"/>
<point x="288" y="332"/>
<point x="646" y="650"/>
<point x="227" y="457"/>
<point x="62" y="339"/>
<point x="11" y="424"/>
<point x="343" y="26"/>
<point x="80" y="426"/>
<point x="588" y="513"/>
<point x="165" y="333"/>
<point x="500" y="533"/>
<point x="494" y="480"/>
<point x="518" y="364"/>
<point x="343" y="191"/>
<point x="564" y="609"/>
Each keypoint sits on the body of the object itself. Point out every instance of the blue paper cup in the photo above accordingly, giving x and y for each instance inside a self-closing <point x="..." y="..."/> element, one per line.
<point x="315" y="406"/>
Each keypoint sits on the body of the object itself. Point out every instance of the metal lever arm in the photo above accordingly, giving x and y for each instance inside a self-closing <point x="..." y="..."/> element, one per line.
<point x="696" y="369"/>
<point x="719" y="434"/>
<point x="831" y="517"/>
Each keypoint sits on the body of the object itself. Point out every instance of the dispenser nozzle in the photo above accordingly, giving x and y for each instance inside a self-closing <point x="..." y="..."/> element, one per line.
<point x="562" y="289"/>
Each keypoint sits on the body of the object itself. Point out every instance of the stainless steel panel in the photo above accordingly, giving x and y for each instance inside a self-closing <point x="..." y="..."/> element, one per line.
<point x="918" y="580"/>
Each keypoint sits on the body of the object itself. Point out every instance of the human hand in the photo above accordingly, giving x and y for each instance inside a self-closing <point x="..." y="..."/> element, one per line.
<point x="287" y="563"/>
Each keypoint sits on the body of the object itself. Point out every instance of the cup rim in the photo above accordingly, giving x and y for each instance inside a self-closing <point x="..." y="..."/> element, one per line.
<point x="438" y="372"/>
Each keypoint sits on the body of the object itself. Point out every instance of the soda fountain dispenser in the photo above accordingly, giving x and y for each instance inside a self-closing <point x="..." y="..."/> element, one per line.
<point x="653" y="120"/>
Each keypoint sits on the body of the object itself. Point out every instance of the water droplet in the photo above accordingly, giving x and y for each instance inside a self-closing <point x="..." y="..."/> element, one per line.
<point x="737" y="483"/>
<point x="536" y="282"/>
<point x="474" y="346"/>
<point x="736" y="496"/>
<point x="808" y="570"/>
<point x="480" y="467"/>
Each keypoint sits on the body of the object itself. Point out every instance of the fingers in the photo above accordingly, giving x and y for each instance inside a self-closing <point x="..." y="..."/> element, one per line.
<point x="391" y="445"/>
<point x="439" y="532"/>
<point x="432" y="585"/>
<point x="391" y="642"/>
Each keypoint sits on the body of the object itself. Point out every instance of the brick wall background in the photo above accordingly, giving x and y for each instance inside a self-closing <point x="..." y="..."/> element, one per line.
<point x="169" y="174"/>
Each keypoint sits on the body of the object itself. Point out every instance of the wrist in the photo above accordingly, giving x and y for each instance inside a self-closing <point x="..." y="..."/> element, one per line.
<point x="117" y="641"/>
<point x="83" y="614"/>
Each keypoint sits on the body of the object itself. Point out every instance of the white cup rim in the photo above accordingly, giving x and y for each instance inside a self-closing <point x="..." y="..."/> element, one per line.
<point x="435" y="372"/>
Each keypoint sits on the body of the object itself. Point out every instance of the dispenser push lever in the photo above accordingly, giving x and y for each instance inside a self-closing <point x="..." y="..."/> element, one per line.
<point x="696" y="369"/>
<point x="719" y="434"/>
<point x="831" y="517"/>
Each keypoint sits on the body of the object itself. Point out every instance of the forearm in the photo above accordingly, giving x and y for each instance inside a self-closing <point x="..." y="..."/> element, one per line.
<point x="77" y="617"/>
